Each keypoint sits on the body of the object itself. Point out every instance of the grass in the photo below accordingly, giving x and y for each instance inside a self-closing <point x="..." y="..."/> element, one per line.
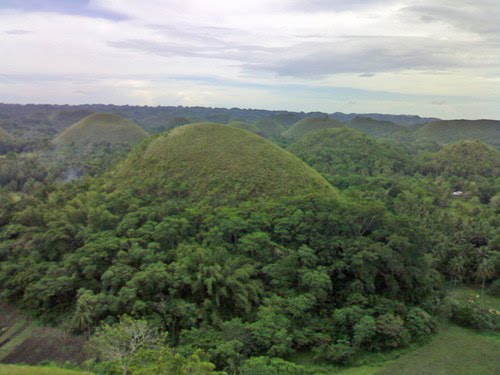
<point x="16" y="340"/>
<point x="36" y="370"/>
<point x="310" y="124"/>
<point x="456" y="351"/>
<point x="269" y="128"/>
<point x="375" y="128"/>
<point x="219" y="162"/>
<point x="4" y="136"/>
<point x="244" y="126"/>
<point x="454" y="130"/>
<point x="101" y="127"/>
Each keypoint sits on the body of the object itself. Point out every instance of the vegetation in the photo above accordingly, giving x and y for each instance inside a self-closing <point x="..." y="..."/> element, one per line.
<point x="310" y="124"/>
<point x="210" y="249"/>
<point x="269" y="128"/>
<point x="345" y="151"/>
<point x="37" y="370"/>
<point x="101" y="127"/>
<point x="375" y="128"/>
<point x="455" y="130"/>
<point x="244" y="126"/>
<point x="198" y="161"/>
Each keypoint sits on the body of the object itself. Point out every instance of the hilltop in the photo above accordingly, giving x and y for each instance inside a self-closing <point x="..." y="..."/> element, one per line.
<point x="101" y="127"/>
<point x="219" y="162"/>
<point x="464" y="159"/>
<point x="244" y="126"/>
<point x="446" y="131"/>
<point x="344" y="151"/>
<point x="269" y="128"/>
<point x="5" y="137"/>
<point x="375" y="128"/>
<point x="310" y="124"/>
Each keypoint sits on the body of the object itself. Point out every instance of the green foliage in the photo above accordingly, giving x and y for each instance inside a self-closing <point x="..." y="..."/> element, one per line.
<point x="375" y="128"/>
<point x="494" y="288"/>
<point x="473" y="314"/>
<point x="310" y="124"/>
<point x="272" y="366"/>
<point x="445" y="131"/>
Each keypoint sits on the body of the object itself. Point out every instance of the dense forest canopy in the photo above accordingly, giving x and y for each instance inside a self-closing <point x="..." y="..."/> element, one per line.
<point x="238" y="251"/>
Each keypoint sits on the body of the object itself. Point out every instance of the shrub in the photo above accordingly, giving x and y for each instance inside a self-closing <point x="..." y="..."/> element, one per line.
<point x="340" y="353"/>
<point x="472" y="315"/>
<point x="494" y="289"/>
<point x="391" y="332"/>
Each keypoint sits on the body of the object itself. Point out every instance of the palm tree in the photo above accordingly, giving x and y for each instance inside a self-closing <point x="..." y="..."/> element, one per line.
<point x="457" y="268"/>
<point x="484" y="271"/>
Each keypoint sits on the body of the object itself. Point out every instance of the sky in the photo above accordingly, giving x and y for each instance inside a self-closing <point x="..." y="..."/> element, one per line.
<point x="427" y="57"/>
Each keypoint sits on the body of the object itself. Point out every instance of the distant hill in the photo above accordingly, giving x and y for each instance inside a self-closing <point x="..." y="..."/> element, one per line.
<point x="310" y="124"/>
<point x="404" y="120"/>
<point x="5" y="141"/>
<point x="219" y="163"/>
<point x="269" y="128"/>
<point x="69" y="117"/>
<point x="375" y="128"/>
<point x="345" y="151"/>
<point x="244" y="126"/>
<point x="463" y="159"/>
<point x="101" y="127"/>
<point x="5" y="137"/>
<point x="446" y="131"/>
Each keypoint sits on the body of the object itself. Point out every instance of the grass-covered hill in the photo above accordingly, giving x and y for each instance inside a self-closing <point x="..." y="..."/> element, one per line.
<point x="5" y="141"/>
<point x="244" y="126"/>
<point x="464" y="159"/>
<point x="101" y="127"/>
<point x="375" y="128"/>
<point x="347" y="151"/>
<point x="269" y="128"/>
<point x="4" y="136"/>
<point x="219" y="162"/>
<point x="455" y="130"/>
<point x="310" y="124"/>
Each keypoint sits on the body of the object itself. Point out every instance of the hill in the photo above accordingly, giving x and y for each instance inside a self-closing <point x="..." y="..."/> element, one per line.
<point x="464" y="159"/>
<point x="455" y="130"/>
<point x="6" y="141"/>
<point x="310" y="124"/>
<point x="344" y="151"/>
<point x="5" y="137"/>
<point x="244" y="126"/>
<point x="375" y="128"/>
<point x="101" y="127"/>
<point x="218" y="162"/>
<point x="269" y="128"/>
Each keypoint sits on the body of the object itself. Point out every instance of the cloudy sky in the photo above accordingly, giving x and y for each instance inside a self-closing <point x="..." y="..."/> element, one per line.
<point x="427" y="57"/>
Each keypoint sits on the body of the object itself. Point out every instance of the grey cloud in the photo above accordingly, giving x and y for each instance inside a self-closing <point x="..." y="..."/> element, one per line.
<point x="480" y="16"/>
<point x="367" y="75"/>
<point x="361" y="54"/>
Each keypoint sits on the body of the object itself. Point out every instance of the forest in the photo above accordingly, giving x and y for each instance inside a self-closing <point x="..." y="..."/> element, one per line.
<point x="177" y="240"/>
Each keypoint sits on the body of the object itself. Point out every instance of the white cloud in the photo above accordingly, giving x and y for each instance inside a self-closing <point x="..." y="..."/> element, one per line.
<point x="246" y="52"/>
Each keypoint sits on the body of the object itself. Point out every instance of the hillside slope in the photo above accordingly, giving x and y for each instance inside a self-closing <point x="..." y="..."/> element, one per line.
<point x="218" y="162"/>
<point x="310" y="124"/>
<point x="101" y="127"/>
<point x="455" y="130"/>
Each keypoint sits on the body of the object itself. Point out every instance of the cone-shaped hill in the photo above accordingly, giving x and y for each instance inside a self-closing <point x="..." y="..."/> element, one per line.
<point x="101" y="127"/>
<point x="465" y="159"/>
<point x="446" y="131"/>
<point x="5" y="137"/>
<point x="344" y="151"/>
<point x="6" y="141"/>
<point x="244" y="125"/>
<point x="269" y="128"/>
<point x="218" y="163"/>
<point x="310" y="124"/>
<point x="375" y="128"/>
